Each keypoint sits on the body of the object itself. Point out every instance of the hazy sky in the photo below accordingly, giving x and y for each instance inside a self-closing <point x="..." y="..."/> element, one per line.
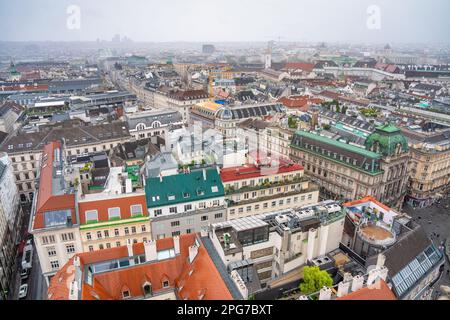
<point x="227" y="20"/>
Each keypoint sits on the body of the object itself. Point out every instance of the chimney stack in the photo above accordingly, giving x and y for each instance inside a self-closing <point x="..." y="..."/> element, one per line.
<point x="357" y="283"/>
<point x="193" y="251"/>
<point x="151" y="253"/>
<point x="380" y="260"/>
<point x="343" y="288"/>
<point x="176" y="244"/>
<point x="325" y="293"/>
<point x="130" y="248"/>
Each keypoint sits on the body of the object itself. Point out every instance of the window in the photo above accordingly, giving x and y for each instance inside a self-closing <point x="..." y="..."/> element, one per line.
<point x="106" y="233"/>
<point x="143" y="228"/>
<point x="204" y="218"/>
<point x="91" y="248"/>
<point x="175" y="233"/>
<point x="127" y="231"/>
<point x="51" y="251"/>
<point x="116" y="232"/>
<point x="218" y="215"/>
<point x="88" y="236"/>
<point x="51" y="239"/>
<point x="91" y="216"/>
<point x="113" y="213"/>
<point x="158" y="212"/>
<point x="188" y="207"/>
<point x="309" y="196"/>
<point x="173" y="209"/>
<point x="125" y="294"/>
<point x="54" y="264"/>
<point x="249" y="208"/>
<point x="70" y="248"/>
<point x="188" y="230"/>
<point x="133" y="230"/>
<point x="175" y="223"/>
<point x="136" y="210"/>
<point x="108" y="245"/>
<point x="202" y="205"/>
<point x="99" y="234"/>
<point x="44" y="240"/>
<point x="118" y="244"/>
<point x="165" y="284"/>
<point x="216" y="203"/>
<point x="100" y="246"/>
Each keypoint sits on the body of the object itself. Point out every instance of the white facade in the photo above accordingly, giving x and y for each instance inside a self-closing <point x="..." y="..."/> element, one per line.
<point x="9" y="199"/>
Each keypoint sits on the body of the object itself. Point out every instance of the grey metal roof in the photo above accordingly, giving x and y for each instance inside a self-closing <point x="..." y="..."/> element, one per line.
<point x="165" y="117"/>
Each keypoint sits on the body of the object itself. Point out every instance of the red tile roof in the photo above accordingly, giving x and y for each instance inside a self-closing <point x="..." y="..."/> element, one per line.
<point x="102" y="206"/>
<point x="299" y="101"/>
<point x="204" y="281"/>
<point x="377" y="291"/>
<point x="253" y="171"/>
<point x="46" y="200"/>
<point x="364" y="200"/>
<point x="308" y="67"/>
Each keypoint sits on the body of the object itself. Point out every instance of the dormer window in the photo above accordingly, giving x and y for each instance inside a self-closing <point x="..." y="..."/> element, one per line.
<point x="125" y="294"/>
<point x="165" y="284"/>
<point x="147" y="288"/>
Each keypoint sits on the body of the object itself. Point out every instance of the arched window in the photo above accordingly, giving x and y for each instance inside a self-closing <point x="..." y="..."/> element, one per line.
<point x="140" y="127"/>
<point x="156" y="124"/>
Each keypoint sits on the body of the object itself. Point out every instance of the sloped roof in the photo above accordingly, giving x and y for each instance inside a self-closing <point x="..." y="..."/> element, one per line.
<point x="204" y="282"/>
<point x="184" y="187"/>
<point x="377" y="291"/>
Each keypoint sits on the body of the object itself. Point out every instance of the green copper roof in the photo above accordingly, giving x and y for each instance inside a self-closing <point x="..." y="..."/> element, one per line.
<point x="387" y="140"/>
<point x="183" y="187"/>
<point x="339" y="144"/>
<point x="390" y="128"/>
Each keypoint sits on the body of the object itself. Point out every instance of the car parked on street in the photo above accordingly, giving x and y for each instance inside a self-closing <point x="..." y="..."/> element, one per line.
<point x="23" y="291"/>
<point x="24" y="274"/>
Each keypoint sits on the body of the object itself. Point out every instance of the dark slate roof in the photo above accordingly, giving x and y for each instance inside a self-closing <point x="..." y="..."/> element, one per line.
<point x="165" y="117"/>
<point x="249" y="111"/>
<point x="407" y="247"/>
<point x="73" y="134"/>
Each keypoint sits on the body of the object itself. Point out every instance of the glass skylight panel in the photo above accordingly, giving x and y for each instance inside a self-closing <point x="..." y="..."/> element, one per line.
<point x="56" y="218"/>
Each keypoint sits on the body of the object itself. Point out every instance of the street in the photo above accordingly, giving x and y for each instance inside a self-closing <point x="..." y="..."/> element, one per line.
<point x="37" y="287"/>
<point x="435" y="220"/>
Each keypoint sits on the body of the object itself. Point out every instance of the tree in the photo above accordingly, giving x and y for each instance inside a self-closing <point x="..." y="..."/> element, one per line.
<point x="292" y="122"/>
<point x="314" y="279"/>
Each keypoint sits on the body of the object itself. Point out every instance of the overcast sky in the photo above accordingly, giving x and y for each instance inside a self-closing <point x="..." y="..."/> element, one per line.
<point x="228" y="20"/>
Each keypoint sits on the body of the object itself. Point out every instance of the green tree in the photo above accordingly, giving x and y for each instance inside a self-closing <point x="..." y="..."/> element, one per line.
<point x="292" y="123"/>
<point x="314" y="279"/>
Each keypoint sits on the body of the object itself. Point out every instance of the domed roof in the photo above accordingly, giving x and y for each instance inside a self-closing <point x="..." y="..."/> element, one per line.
<point x="387" y="140"/>
<point x="224" y="113"/>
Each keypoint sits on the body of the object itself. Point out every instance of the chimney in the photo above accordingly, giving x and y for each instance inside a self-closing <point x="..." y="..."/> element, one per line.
<point x="150" y="250"/>
<point x="343" y="288"/>
<point x="357" y="283"/>
<point x="176" y="244"/>
<point x="193" y="250"/>
<point x="380" y="260"/>
<point x="130" y="248"/>
<point x="348" y="277"/>
<point x="325" y="293"/>
<point x="160" y="177"/>
<point x="204" y="174"/>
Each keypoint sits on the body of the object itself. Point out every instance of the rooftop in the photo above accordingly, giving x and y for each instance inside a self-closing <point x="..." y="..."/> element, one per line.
<point x="106" y="274"/>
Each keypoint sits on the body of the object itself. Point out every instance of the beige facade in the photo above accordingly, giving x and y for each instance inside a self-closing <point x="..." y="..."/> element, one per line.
<point x="430" y="173"/>
<point x="105" y="235"/>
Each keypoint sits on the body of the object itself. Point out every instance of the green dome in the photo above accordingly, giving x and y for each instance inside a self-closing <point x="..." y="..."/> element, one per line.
<point x="387" y="140"/>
